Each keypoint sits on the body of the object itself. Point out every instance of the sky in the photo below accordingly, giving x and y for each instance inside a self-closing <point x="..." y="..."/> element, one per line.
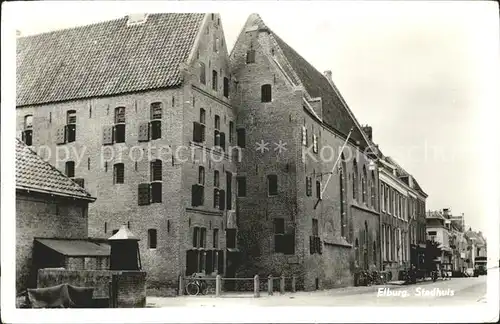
<point x="424" y="75"/>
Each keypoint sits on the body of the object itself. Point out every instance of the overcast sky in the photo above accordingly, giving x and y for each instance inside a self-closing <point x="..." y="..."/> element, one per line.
<point x="419" y="73"/>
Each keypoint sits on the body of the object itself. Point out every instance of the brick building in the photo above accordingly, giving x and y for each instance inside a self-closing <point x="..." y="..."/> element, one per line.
<point x="402" y="216"/>
<point x="287" y="224"/>
<point x="140" y="107"/>
<point x="49" y="205"/>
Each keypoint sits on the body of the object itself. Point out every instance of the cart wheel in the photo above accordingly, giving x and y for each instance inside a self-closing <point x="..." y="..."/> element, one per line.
<point x="192" y="289"/>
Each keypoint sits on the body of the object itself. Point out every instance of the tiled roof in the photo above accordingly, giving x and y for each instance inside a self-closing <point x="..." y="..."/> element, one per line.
<point x="317" y="85"/>
<point x="105" y="58"/>
<point x="34" y="174"/>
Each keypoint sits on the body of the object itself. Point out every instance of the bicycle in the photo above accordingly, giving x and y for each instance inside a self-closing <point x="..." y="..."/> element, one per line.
<point x="196" y="286"/>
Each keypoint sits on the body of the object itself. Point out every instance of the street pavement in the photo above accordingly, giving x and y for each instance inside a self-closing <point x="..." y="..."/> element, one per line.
<point x="454" y="292"/>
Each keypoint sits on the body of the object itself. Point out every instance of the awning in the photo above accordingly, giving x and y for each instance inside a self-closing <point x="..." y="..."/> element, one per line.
<point x="76" y="248"/>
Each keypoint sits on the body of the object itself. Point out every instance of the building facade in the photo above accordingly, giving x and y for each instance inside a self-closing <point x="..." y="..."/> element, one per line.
<point x="297" y="215"/>
<point x="137" y="110"/>
<point x="48" y="204"/>
<point x="402" y="206"/>
<point x="438" y="230"/>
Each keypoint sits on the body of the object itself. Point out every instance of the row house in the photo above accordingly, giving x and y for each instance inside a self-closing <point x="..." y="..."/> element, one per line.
<point x="439" y="230"/>
<point x="138" y="111"/>
<point x="297" y="215"/>
<point x="476" y="248"/>
<point x="402" y="206"/>
<point x="458" y="242"/>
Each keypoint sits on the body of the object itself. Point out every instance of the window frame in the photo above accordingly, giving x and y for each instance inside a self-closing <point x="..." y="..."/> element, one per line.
<point x="69" y="165"/>
<point x="266" y="93"/>
<point x="238" y="183"/>
<point x="215" y="80"/>
<point x="274" y="193"/>
<point x="152" y="233"/>
<point x="116" y="168"/>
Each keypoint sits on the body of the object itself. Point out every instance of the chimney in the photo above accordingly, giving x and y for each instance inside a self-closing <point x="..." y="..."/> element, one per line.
<point x="328" y="75"/>
<point x="368" y="131"/>
<point x="136" y="18"/>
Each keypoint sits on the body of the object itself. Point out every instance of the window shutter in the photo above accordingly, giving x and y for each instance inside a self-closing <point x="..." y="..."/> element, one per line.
<point x="222" y="140"/>
<point x="80" y="182"/>
<point x="222" y="200"/>
<point x="143" y="132"/>
<point x="107" y="135"/>
<point x="143" y="194"/>
<point x="61" y="135"/>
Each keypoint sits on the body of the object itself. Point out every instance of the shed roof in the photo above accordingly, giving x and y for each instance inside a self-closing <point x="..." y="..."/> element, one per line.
<point x="76" y="248"/>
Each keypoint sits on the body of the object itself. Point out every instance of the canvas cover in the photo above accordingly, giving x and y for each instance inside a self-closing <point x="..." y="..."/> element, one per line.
<point x="60" y="296"/>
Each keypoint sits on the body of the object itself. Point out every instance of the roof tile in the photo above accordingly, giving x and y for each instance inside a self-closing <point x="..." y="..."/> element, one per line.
<point x="105" y="58"/>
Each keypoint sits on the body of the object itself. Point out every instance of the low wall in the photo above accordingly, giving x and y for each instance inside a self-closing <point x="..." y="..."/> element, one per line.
<point x="130" y="288"/>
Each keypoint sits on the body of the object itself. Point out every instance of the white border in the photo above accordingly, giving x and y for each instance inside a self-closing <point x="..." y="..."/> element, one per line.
<point x="489" y="164"/>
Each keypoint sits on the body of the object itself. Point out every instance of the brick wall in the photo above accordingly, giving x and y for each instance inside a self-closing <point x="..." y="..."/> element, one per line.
<point x="44" y="216"/>
<point x="130" y="285"/>
<point x="117" y="204"/>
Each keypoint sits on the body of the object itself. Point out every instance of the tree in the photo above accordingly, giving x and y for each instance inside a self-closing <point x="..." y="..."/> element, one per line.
<point x="432" y="251"/>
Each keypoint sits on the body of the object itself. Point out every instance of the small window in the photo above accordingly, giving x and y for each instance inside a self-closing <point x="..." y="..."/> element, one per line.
<point x="217" y="122"/>
<point x="304" y="136"/>
<point x="226" y="87"/>
<point x="231" y="132"/>
<point x="201" y="176"/>
<point x="315" y="228"/>
<point x="156" y="170"/>
<point x="118" y="173"/>
<point x="308" y="186"/>
<point x="231" y="238"/>
<point x="279" y="225"/>
<point x="240" y="134"/>
<point x="27" y="133"/>
<point x="202" y="116"/>
<point x="71" y="117"/>
<point x="272" y="185"/>
<point x="203" y="237"/>
<point x="216" y="198"/>
<point x="156" y="192"/>
<point x="251" y="56"/>
<point x="203" y="75"/>
<point x="152" y="238"/>
<point x="266" y="95"/>
<point x="216" y="178"/>
<point x="119" y="115"/>
<point x="214" y="80"/>
<point x="215" y="239"/>
<point x="318" y="189"/>
<point x="242" y="186"/>
<point x="119" y="133"/>
<point x="70" y="169"/>
<point x="315" y="143"/>
<point x="71" y="126"/>
<point x="28" y="122"/>
<point x="156" y="115"/>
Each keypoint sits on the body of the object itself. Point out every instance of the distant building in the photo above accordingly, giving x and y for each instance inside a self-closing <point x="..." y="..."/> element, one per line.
<point x="476" y="247"/>
<point x="51" y="213"/>
<point x="438" y="230"/>
<point x="402" y="217"/>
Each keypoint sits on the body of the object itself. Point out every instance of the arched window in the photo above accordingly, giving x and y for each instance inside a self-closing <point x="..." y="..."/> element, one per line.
<point x="27" y="134"/>
<point x="201" y="175"/>
<point x="373" y="191"/>
<point x="343" y="200"/>
<point x="266" y="93"/>
<point x="354" y="179"/>
<point x="356" y="250"/>
<point x="156" y="116"/>
<point x="363" y="185"/>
